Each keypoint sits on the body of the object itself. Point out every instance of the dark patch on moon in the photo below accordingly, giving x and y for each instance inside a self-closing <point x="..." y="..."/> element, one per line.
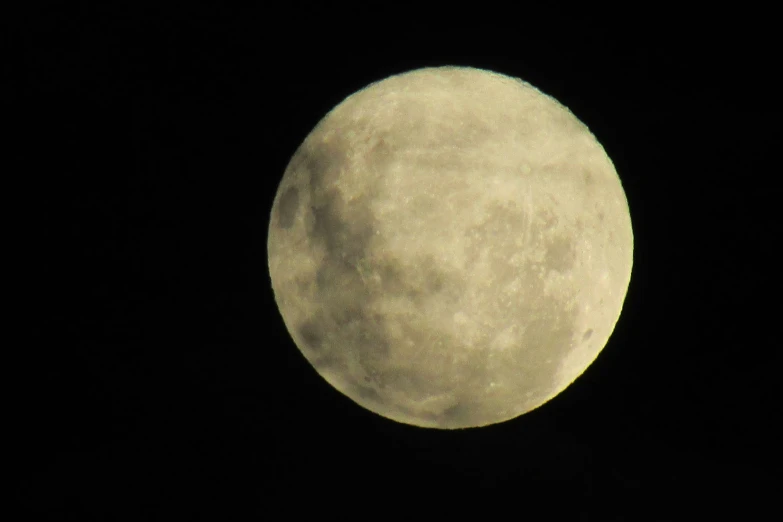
<point x="435" y="280"/>
<point x="343" y="231"/>
<point x="587" y="335"/>
<point x="372" y="347"/>
<point x="364" y="391"/>
<point x="348" y="315"/>
<point x="311" y="335"/>
<point x="287" y="207"/>
<point x="392" y="281"/>
<point x="380" y="154"/>
<point x="324" y="161"/>
<point x="327" y="227"/>
<point x="458" y="414"/>
<point x="560" y="255"/>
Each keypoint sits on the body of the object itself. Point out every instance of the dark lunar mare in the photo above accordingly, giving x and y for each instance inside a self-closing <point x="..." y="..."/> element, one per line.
<point x="287" y="207"/>
<point x="343" y="230"/>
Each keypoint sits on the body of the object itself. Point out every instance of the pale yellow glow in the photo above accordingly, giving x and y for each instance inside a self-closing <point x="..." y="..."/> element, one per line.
<point x="450" y="247"/>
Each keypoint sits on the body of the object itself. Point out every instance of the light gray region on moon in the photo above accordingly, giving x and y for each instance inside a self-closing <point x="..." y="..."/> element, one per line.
<point x="450" y="248"/>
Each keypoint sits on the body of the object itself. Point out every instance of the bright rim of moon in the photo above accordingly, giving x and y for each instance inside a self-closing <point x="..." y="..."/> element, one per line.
<point x="450" y="247"/>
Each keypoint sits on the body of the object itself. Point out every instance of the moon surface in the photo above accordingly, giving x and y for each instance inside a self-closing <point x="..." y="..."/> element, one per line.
<point x="450" y="247"/>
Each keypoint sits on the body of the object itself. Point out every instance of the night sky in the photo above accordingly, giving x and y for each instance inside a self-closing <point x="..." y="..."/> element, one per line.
<point x="159" y="380"/>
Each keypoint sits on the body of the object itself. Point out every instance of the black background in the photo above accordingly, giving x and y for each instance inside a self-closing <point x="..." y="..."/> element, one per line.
<point x="162" y="382"/>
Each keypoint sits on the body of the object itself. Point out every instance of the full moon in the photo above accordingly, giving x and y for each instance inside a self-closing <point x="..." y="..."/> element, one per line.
<point x="450" y="247"/>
